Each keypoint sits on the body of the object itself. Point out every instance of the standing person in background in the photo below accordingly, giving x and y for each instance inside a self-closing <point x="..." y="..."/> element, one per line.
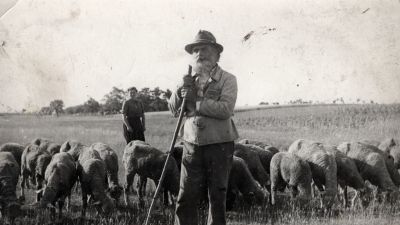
<point x="208" y="132"/>
<point x="133" y="117"/>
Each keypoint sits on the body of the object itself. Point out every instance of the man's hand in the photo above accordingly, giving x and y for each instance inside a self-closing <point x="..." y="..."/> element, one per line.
<point x="187" y="90"/>
<point x="187" y="81"/>
<point x="186" y="86"/>
<point x="129" y="128"/>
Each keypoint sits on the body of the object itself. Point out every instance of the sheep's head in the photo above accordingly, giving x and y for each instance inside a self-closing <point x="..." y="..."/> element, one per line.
<point x="105" y="206"/>
<point x="49" y="195"/>
<point x="366" y="196"/>
<point x="51" y="189"/>
<point x="115" y="191"/>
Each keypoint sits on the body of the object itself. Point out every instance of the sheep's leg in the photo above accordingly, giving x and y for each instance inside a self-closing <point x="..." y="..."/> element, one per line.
<point x="60" y="206"/>
<point x="39" y="186"/>
<point x="320" y="189"/>
<point x="52" y="213"/>
<point x="293" y="191"/>
<point x="23" y="183"/>
<point x="107" y="181"/>
<point x="142" y="183"/>
<point x="129" y="181"/>
<point x="84" y="203"/>
<point x="346" y="199"/>
<point x="273" y="194"/>
<point x="354" y="199"/>
<point x="68" y="206"/>
<point x="166" y="199"/>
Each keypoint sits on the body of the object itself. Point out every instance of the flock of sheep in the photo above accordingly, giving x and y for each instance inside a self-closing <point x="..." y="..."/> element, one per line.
<point x="258" y="172"/>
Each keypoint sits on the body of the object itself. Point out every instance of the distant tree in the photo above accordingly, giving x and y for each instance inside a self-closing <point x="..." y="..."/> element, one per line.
<point x="57" y="106"/>
<point x="167" y="94"/>
<point x="74" y="109"/>
<point x="91" y="106"/>
<point x="113" y="100"/>
<point x="45" y="110"/>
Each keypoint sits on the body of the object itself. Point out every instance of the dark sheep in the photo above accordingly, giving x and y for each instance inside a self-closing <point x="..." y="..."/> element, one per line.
<point x="252" y="159"/>
<point x="60" y="177"/>
<point x="15" y="149"/>
<point x="34" y="162"/>
<point x="47" y="145"/>
<point x="148" y="162"/>
<point x="9" y="173"/>
<point x="242" y="183"/>
<point x="371" y="164"/>
<point x="92" y="176"/>
<point x="110" y="159"/>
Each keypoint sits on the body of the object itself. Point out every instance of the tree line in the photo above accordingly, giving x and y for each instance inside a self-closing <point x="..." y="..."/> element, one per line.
<point x="152" y="99"/>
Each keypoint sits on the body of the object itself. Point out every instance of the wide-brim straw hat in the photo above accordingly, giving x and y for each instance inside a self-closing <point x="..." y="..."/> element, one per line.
<point x="204" y="37"/>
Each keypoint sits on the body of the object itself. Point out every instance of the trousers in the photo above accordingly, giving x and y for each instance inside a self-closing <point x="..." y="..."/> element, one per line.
<point x="205" y="169"/>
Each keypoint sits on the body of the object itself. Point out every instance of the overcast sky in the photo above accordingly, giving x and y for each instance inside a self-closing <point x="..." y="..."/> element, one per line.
<point x="314" y="50"/>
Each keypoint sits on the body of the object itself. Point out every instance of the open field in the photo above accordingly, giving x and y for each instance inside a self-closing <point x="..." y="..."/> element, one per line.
<point x="278" y="126"/>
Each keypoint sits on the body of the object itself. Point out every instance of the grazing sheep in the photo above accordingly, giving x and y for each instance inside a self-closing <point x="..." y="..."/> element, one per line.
<point x="254" y="163"/>
<point x="92" y="176"/>
<point x="390" y="162"/>
<point x="259" y="144"/>
<point x="265" y="154"/>
<point x="60" y="177"/>
<point x="9" y="172"/>
<point x="34" y="162"/>
<point x="74" y="148"/>
<point x="247" y="141"/>
<point x="47" y="145"/>
<point x="289" y="170"/>
<point x="148" y="162"/>
<point x="15" y="149"/>
<point x="371" y="164"/>
<point x="348" y="175"/>
<point x="242" y="182"/>
<point x="110" y="158"/>
<point x="392" y="147"/>
<point x="323" y="167"/>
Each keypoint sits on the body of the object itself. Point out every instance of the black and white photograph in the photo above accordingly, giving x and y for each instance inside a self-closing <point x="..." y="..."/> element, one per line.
<point x="199" y="112"/>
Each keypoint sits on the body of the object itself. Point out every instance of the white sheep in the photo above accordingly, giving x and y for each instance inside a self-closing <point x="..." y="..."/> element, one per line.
<point x="289" y="170"/>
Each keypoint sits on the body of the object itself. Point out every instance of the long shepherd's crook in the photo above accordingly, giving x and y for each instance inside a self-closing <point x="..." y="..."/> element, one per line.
<point x="171" y="148"/>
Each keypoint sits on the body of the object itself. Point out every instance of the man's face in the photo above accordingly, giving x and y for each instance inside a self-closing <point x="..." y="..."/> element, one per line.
<point x="204" y="57"/>
<point x="132" y="93"/>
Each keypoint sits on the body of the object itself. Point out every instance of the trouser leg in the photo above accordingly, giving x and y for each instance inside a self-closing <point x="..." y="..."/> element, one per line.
<point x="127" y="135"/>
<point x="192" y="182"/>
<point x="218" y="159"/>
<point x="138" y="135"/>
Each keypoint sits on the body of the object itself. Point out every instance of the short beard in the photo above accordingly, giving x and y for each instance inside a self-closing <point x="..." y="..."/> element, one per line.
<point x="203" y="66"/>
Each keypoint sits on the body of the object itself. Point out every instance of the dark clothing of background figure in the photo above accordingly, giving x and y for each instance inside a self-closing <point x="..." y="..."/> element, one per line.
<point x="133" y="109"/>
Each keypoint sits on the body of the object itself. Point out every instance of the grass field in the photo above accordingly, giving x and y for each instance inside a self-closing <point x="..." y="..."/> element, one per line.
<point x="278" y="126"/>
